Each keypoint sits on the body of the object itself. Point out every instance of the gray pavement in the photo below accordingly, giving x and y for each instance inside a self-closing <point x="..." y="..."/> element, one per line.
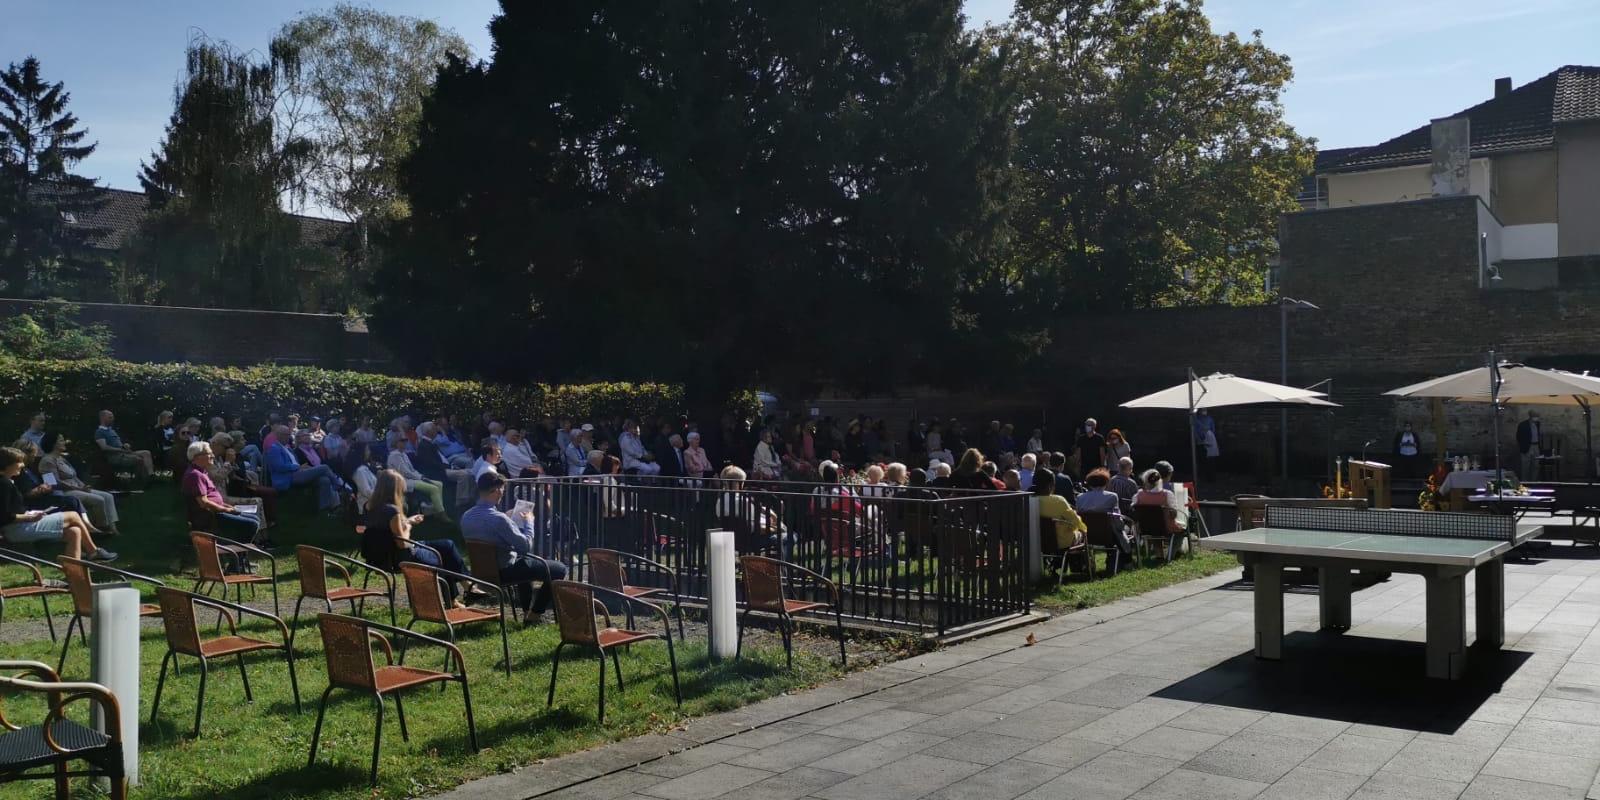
<point x="1157" y="697"/>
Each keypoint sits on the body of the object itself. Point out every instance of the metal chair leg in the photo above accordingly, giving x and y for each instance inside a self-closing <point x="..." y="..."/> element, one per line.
<point x="602" y="715"/>
<point x="294" y="681"/>
<point x="49" y="621"/>
<point x="838" y="622"/>
<point x="400" y="711"/>
<point x="472" y="727"/>
<point x="316" y="732"/>
<point x="244" y="677"/>
<point x="155" y="706"/>
<point x="377" y="738"/>
<point x="200" y="702"/>
<point x="617" y="663"/>
<point x="294" y="622"/>
<point x="66" y="643"/>
<point x="555" y="667"/>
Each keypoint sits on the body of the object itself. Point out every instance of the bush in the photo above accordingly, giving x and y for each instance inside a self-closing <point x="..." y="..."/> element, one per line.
<point x="52" y="331"/>
<point x="73" y="392"/>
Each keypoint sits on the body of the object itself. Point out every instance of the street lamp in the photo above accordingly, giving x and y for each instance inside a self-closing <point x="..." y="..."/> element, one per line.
<point x="1285" y="305"/>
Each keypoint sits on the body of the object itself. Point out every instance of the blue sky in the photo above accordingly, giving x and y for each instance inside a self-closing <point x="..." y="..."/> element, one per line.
<point x="1365" y="70"/>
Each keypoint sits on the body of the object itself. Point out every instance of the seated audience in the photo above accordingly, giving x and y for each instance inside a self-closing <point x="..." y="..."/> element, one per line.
<point x="209" y="511"/>
<point x="969" y="473"/>
<point x="433" y="466"/>
<point x="516" y="453"/>
<point x="635" y="458"/>
<point x="431" y="491"/>
<point x="36" y="493"/>
<point x="162" y="435"/>
<point x="333" y="444"/>
<point x="1027" y="464"/>
<point x="239" y="481"/>
<point x="101" y="505"/>
<point x="1053" y="506"/>
<point x="514" y="543"/>
<point x="488" y="460"/>
<point x="1178" y="493"/>
<point x="736" y="504"/>
<point x="1064" y="484"/>
<point x="387" y="542"/>
<point x="696" y="464"/>
<point x="1153" y="494"/>
<point x="18" y="525"/>
<point x="1098" y="499"/>
<point x="766" y="466"/>
<point x="119" y="454"/>
<point x="1011" y="480"/>
<point x="287" y="472"/>
<point x="574" y="455"/>
<point x="1123" y="484"/>
<point x="35" y="431"/>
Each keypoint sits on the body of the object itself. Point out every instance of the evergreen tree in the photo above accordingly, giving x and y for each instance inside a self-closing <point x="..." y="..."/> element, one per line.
<point x="216" y="235"/>
<point x="41" y="197"/>
<point x="718" y="192"/>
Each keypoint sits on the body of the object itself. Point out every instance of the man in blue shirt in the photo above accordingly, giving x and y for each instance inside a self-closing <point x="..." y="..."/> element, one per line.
<point x="513" y="541"/>
<point x="118" y="453"/>
<point x="287" y="472"/>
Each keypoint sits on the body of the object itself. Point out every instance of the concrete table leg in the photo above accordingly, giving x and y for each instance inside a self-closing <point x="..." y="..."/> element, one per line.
<point x="1334" y="592"/>
<point x="1491" y="604"/>
<point x="1447" y="625"/>
<point x="1269" y="609"/>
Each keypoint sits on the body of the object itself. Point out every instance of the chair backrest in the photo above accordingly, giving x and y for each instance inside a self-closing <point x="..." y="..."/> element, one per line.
<point x="81" y="584"/>
<point x="605" y="569"/>
<point x="1151" y="519"/>
<point x="313" y="571"/>
<point x="1063" y="534"/>
<point x="574" y="605"/>
<point x="178" y="618"/>
<point x="349" y="652"/>
<point x="1101" y="532"/>
<point x="484" y="560"/>
<point x="208" y="563"/>
<point x="423" y="592"/>
<point x="763" y="583"/>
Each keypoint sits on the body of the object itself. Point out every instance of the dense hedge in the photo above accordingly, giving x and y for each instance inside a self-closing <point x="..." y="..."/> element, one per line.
<point x="73" y="392"/>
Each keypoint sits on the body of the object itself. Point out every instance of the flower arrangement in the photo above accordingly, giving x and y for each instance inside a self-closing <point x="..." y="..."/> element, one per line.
<point x="1332" y="492"/>
<point x="1428" y="499"/>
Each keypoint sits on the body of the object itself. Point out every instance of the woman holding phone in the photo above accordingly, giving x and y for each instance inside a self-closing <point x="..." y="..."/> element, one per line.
<point x="18" y="525"/>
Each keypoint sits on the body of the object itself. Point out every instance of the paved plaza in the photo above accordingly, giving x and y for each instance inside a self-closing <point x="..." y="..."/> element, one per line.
<point x="1159" y="696"/>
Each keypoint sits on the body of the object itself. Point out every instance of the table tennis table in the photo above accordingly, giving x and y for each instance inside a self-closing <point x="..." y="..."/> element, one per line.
<point x="1441" y="547"/>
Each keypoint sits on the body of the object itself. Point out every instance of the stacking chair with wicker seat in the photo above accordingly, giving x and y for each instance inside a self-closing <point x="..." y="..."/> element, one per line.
<point x="608" y="570"/>
<point x="765" y="590"/>
<point x="43" y="751"/>
<point x="207" y="551"/>
<point x="80" y="582"/>
<point x="183" y="638"/>
<point x="576" y="604"/>
<point x="314" y="566"/>
<point x="38" y="587"/>
<point x="1057" y="558"/>
<point x="347" y="642"/>
<point x="428" y="605"/>
<point x="1102" y="536"/>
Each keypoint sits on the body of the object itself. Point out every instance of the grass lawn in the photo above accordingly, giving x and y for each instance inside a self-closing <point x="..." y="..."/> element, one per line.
<point x="260" y="749"/>
<point x="1078" y="592"/>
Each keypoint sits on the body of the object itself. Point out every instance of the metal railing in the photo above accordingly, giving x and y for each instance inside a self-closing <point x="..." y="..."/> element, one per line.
<point x="913" y="559"/>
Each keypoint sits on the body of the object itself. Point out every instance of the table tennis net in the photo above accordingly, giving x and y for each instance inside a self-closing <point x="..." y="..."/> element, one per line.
<point x="1394" y="522"/>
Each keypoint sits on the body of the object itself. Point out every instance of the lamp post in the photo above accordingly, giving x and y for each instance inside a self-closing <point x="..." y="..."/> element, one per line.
<point x="1285" y="305"/>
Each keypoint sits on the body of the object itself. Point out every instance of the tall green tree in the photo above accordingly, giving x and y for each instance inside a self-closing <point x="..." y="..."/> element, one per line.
<point x="356" y="93"/>
<point x="216" y="234"/>
<point x="41" y="197"/>
<point x="1153" y="158"/>
<point x="719" y="192"/>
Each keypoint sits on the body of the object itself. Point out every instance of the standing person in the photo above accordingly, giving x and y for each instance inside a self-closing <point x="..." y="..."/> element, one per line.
<point x="1407" y="452"/>
<point x="101" y="505"/>
<point x="514" y="546"/>
<point x="387" y="540"/>
<point x="1090" y="448"/>
<point x="1530" y="444"/>
<point x="1117" y="448"/>
<point x="119" y="454"/>
<point x="209" y="511"/>
<point x="18" y="525"/>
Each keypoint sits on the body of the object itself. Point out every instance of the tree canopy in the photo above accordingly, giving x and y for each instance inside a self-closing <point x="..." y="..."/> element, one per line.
<point x="40" y="195"/>
<point x="714" y="192"/>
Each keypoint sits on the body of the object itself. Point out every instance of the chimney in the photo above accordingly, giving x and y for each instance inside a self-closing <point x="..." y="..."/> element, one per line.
<point x="1452" y="152"/>
<point x="1502" y="87"/>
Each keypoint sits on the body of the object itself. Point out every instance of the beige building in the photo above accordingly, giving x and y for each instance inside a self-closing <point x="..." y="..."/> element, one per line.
<point x="1530" y="154"/>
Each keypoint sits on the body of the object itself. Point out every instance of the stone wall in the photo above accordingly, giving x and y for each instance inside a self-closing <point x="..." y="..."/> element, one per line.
<point x="229" y="337"/>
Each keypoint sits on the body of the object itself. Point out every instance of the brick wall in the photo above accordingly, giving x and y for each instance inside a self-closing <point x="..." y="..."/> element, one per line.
<point x="1398" y="289"/>
<point x="228" y="337"/>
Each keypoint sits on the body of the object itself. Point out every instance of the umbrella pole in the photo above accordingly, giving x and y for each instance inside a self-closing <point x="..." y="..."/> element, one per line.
<point x="1588" y="439"/>
<point x="1494" y="402"/>
<point x="1194" y="452"/>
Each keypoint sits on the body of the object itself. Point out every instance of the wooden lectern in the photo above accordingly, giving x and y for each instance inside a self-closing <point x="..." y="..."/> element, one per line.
<point x="1370" y="479"/>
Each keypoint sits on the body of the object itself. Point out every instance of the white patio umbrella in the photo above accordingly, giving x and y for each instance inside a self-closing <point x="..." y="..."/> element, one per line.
<point x="1219" y="390"/>
<point x="1519" y="384"/>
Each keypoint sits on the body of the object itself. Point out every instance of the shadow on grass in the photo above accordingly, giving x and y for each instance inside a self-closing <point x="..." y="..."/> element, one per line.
<point x="1356" y="679"/>
<point x="297" y="780"/>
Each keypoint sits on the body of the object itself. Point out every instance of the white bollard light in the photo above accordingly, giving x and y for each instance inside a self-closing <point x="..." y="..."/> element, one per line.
<point x="114" y="663"/>
<point x="721" y="607"/>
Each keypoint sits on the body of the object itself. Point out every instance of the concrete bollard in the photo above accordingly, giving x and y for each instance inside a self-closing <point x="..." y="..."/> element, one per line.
<point x="722" y="605"/>
<point x="114" y="664"/>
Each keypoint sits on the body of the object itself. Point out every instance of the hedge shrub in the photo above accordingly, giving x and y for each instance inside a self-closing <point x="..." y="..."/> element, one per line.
<point x="73" y="392"/>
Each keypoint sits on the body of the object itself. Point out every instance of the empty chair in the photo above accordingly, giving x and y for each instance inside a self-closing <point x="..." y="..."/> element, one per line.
<point x="766" y="590"/>
<point x="428" y="605"/>
<point x="576" y="604"/>
<point x="347" y="642"/>
<point x="80" y="582"/>
<point x="608" y="570"/>
<point x="29" y="753"/>
<point x="37" y="587"/>
<point x="208" y="550"/>
<point x="314" y="566"/>
<point x="183" y="638"/>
